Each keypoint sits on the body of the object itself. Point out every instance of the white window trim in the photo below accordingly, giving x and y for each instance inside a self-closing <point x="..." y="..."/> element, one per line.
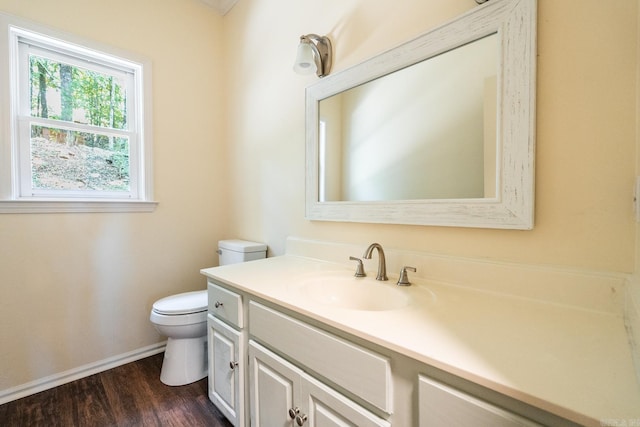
<point x="10" y="200"/>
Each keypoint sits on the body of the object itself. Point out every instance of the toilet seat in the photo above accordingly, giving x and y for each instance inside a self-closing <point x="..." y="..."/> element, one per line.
<point x="179" y="319"/>
<point x="182" y="304"/>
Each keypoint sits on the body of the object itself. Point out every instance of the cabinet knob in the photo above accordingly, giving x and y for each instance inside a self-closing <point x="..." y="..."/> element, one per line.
<point x="218" y="304"/>
<point x="233" y="365"/>
<point x="293" y="412"/>
<point x="301" y="419"/>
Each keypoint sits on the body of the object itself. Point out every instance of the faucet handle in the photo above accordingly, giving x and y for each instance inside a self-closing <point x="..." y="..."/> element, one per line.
<point x="403" y="280"/>
<point x="359" y="268"/>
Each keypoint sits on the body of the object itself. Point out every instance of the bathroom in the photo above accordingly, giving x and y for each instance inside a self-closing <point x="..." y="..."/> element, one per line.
<point x="229" y="153"/>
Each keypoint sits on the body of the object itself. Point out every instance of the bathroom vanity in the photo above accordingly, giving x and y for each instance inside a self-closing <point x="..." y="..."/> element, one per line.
<point x="295" y="340"/>
<point x="298" y="340"/>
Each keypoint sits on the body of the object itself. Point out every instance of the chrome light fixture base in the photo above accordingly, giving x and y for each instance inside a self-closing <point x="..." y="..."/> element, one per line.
<point x="314" y="54"/>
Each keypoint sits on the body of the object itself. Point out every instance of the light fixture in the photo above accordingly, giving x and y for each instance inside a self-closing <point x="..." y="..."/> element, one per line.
<point x="314" y="55"/>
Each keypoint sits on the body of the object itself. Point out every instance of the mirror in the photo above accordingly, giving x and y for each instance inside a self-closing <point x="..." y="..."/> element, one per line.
<point x="397" y="138"/>
<point x="438" y="131"/>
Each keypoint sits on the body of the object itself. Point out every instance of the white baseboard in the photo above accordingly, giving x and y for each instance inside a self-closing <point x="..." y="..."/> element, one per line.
<point x="55" y="380"/>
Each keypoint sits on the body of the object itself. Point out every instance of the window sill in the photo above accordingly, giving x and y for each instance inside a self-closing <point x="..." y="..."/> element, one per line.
<point x="75" y="206"/>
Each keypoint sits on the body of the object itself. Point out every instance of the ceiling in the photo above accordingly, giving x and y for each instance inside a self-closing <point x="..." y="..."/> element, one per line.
<point x="222" y="6"/>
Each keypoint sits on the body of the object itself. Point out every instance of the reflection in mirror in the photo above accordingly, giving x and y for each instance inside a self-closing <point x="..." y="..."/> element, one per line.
<point x="400" y="137"/>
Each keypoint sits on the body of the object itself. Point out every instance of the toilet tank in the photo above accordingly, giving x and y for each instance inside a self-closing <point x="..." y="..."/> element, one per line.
<point x="235" y="251"/>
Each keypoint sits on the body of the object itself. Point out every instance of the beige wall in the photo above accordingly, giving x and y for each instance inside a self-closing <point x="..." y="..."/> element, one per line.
<point x="78" y="288"/>
<point x="585" y="127"/>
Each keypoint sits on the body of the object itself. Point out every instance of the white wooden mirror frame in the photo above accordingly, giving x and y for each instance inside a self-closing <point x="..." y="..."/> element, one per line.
<point x="514" y="21"/>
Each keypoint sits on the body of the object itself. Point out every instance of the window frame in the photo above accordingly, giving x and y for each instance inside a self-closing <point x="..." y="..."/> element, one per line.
<point x="15" y="154"/>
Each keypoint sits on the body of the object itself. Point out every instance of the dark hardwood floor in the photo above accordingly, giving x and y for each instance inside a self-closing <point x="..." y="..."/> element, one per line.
<point x="129" y="395"/>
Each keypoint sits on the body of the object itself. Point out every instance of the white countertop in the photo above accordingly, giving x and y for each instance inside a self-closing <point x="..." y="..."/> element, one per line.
<point x="572" y="362"/>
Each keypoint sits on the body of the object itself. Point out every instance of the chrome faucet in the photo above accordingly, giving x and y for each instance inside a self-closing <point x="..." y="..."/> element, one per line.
<point x="382" y="264"/>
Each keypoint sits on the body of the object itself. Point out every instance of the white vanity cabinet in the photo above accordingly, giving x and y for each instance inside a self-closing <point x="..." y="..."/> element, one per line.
<point x="227" y="343"/>
<point x="284" y="395"/>
<point x="270" y="365"/>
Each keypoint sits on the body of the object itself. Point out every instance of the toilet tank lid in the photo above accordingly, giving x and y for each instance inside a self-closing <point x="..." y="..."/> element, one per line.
<point x="185" y="303"/>
<point x="242" y="246"/>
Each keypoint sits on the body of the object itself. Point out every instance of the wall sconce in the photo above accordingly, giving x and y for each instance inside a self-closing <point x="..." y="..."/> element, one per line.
<point x="314" y="54"/>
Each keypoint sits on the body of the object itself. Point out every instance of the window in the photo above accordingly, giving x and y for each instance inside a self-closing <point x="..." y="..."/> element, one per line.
<point x="79" y="126"/>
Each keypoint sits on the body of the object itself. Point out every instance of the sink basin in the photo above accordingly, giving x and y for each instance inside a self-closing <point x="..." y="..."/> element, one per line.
<point x="354" y="293"/>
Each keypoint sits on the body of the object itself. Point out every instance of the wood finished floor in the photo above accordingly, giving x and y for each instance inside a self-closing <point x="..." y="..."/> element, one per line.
<point x="129" y="395"/>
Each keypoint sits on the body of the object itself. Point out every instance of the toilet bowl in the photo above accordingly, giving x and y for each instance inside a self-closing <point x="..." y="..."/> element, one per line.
<point x="182" y="318"/>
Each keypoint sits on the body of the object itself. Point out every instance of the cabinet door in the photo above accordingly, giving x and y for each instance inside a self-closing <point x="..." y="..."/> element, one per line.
<point x="227" y="365"/>
<point x="282" y="395"/>
<point x="443" y="406"/>
<point x="325" y="407"/>
<point x="273" y="384"/>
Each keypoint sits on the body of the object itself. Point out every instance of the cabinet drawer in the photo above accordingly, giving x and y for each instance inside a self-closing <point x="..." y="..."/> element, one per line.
<point x="225" y="304"/>
<point x="443" y="406"/>
<point x="356" y="369"/>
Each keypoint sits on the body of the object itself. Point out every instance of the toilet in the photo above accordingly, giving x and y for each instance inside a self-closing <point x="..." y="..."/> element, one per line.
<point x="182" y="318"/>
